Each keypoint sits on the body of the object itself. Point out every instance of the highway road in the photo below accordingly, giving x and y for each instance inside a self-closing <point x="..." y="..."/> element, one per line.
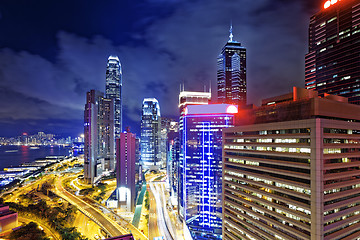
<point x="111" y="227"/>
<point x="86" y="226"/>
<point x="94" y="213"/>
<point x="153" y="226"/>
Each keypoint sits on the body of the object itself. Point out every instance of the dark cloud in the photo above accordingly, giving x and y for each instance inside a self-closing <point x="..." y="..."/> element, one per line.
<point x="179" y="45"/>
<point x="18" y="106"/>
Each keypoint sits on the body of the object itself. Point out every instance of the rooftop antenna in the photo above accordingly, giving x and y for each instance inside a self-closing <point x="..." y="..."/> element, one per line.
<point x="231" y="34"/>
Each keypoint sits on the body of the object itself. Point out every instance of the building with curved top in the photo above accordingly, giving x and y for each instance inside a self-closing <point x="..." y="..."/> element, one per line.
<point x="150" y="134"/>
<point x="113" y="90"/>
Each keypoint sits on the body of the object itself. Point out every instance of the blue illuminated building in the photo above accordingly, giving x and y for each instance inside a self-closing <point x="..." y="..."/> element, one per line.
<point x="200" y="168"/>
<point x="113" y="90"/>
<point x="150" y="134"/>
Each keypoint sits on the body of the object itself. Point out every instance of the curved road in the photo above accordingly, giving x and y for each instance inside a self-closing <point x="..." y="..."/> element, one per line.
<point x="47" y="230"/>
<point x="111" y="227"/>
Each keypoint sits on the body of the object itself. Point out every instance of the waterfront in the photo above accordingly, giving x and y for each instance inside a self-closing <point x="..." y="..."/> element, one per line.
<point x="16" y="155"/>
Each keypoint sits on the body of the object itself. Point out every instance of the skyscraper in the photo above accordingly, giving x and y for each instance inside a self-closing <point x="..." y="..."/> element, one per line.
<point x="125" y="171"/>
<point x="113" y="90"/>
<point x="291" y="170"/>
<point x="231" y="73"/>
<point x="164" y="144"/>
<point x="173" y="160"/>
<point x="186" y="98"/>
<point x="332" y="63"/>
<point x="99" y="152"/>
<point x="200" y="168"/>
<point x="150" y="134"/>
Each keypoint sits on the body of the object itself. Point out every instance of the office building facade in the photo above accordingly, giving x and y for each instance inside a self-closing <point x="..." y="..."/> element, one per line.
<point x="231" y="73"/>
<point x="150" y="134"/>
<point x="113" y="90"/>
<point x="332" y="63"/>
<point x="291" y="170"/>
<point x="99" y="152"/>
<point x="187" y="98"/>
<point x="200" y="168"/>
<point x="125" y="171"/>
<point x="173" y="160"/>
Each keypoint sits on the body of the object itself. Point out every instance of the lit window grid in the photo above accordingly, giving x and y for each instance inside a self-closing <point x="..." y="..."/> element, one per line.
<point x="202" y="173"/>
<point x="347" y="142"/>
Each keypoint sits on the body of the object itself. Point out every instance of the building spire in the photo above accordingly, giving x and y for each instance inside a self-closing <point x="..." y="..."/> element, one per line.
<point x="231" y="34"/>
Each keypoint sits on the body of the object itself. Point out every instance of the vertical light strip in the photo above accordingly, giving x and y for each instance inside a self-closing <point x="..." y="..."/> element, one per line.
<point x="209" y="169"/>
<point x="184" y="168"/>
<point x="203" y="172"/>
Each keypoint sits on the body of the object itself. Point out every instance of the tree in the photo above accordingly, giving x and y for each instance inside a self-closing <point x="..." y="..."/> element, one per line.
<point x="147" y="203"/>
<point x="29" y="231"/>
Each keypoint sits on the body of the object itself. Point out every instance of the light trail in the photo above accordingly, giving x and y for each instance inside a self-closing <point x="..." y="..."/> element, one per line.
<point x="164" y="229"/>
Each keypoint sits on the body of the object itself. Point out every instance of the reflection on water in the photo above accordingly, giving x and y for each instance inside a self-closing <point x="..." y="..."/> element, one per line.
<point x="16" y="155"/>
<point x="24" y="150"/>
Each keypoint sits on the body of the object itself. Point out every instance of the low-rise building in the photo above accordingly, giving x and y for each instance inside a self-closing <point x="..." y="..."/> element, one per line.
<point x="8" y="219"/>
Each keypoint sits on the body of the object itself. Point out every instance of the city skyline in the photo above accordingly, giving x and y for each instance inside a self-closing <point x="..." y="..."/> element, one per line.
<point x="202" y="120"/>
<point x="69" y="53"/>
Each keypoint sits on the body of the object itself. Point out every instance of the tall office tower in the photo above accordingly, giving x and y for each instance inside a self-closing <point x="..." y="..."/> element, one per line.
<point x="150" y="134"/>
<point x="113" y="90"/>
<point x="91" y="139"/>
<point x="99" y="135"/>
<point x="138" y="172"/>
<point x="173" y="159"/>
<point x="231" y="73"/>
<point x="107" y="133"/>
<point x="125" y="171"/>
<point x="332" y="63"/>
<point x="188" y="98"/>
<point x="200" y="168"/>
<point x="291" y="170"/>
<point x="164" y="145"/>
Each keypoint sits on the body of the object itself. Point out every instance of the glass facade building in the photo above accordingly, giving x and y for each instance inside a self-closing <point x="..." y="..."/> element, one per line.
<point x="332" y="63"/>
<point x="113" y="90"/>
<point x="231" y="73"/>
<point x="200" y="182"/>
<point x="150" y="134"/>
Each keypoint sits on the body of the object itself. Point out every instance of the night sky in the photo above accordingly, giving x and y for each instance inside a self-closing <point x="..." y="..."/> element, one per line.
<point x="53" y="52"/>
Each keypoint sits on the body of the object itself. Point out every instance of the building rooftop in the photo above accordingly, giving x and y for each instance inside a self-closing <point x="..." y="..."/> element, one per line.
<point x="297" y="105"/>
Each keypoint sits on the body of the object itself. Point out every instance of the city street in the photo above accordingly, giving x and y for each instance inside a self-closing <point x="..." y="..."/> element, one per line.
<point x="153" y="218"/>
<point x="160" y="223"/>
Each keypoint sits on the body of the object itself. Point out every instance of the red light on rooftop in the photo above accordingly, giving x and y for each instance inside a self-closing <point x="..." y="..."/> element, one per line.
<point x="231" y="109"/>
<point x="328" y="3"/>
